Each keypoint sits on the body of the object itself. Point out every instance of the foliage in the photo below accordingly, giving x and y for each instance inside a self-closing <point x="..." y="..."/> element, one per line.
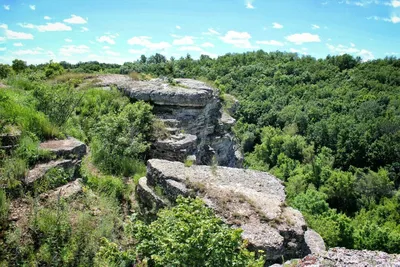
<point x="18" y="65"/>
<point x="119" y="140"/>
<point x="4" y="208"/>
<point x="189" y="234"/>
<point x="5" y="71"/>
<point x="53" y="69"/>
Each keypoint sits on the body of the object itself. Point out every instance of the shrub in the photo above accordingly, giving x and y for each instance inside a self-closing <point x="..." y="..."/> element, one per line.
<point x="189" y="234"/>
<point x="4" y="207"/>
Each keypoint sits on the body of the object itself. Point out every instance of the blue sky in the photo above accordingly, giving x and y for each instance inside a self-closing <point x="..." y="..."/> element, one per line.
<point x="118" y="31"/>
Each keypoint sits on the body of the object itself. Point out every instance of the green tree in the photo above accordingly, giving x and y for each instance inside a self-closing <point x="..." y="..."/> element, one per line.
<point x="18" y="65"/>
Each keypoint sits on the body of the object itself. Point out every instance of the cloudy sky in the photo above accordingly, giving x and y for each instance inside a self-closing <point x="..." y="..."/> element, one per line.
<point x="119" y="31"/>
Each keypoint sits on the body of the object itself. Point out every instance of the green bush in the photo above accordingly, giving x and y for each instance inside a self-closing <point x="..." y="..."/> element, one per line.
<point x="120" y="140"/>
<point x="4" y="208"/>
<point x="189" y="234"/>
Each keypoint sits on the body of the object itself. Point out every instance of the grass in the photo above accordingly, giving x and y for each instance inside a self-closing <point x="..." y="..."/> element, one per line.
<point x="139" y="76"/>
<point x="188" y="162"/>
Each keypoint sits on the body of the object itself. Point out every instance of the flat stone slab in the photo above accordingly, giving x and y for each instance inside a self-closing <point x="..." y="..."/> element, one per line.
<point x="343" y="257"/>
<point x="40" y="170"/>
<point x="251" y="200"/>
<point x="67" y="148"/>
<point x="186" y="92"/>
<point x="65" y="191"/>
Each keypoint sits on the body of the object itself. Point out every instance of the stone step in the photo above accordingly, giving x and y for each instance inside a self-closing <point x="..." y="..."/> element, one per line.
<point x="21" y="208"/>
<point x="66" y="191"/>
<point x="173" y="131"/>
<point x="150" y="202"/>
<point x="40" y="170"/>
<point x="171" y="123"/>
<point x="67" y="148"/>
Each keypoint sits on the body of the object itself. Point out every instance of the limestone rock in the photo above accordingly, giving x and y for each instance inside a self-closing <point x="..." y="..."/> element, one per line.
<point x="67" y="148"/>
<point x="252" y="200"/>
<point x="175" y="148"/>
<point x="314" y="242"/>
<point x="343" y="257"/>
<point x="190" y="107"/>
<point x="65" y="191"/>
<point x="187" y="92"/>
<point x="40" y="170"/>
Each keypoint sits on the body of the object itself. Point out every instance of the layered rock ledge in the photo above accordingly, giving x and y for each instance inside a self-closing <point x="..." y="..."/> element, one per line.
<point x="188" y="108"/>
<point x="251" y="200"/>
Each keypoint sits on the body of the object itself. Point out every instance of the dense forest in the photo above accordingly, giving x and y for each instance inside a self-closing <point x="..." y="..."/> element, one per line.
<point x="329" y="128"/>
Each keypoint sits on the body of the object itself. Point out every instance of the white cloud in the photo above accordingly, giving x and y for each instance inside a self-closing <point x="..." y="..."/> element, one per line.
<point x="106" y="47"/>
<point x="178" y="27"/>
<point x="84" y="29"/>
<point x="315" y="26"/>
<point x="33" y="7"/>
<point x="187" y="40"/>
<point x="190" y="48"/>
<point x="211" y="31"/>
<point x="300" y="38"/>
<point x="68" y="40"/>
<point x="145" y="41"/>
<point x="47" y="18"/>
<point x="15" y="35"/>
<point x="207" y="44"/>
<point x="238" y="39"/>
<point x="342" y="49"/>
<point x="361" y="3"/>
<point x="276" y="25"/>
<point x="69" y="50"/>
<point x="18" y="44"/>
<point x="35" y="51"/>
<point x="75" y="20"/>
<point x="249" y="4"/>
<point x="49" y="27"/>
<point x="352" y="45"/>
<point x="394" y="19"/>
<point x="2" y="39"/>
<point x="6" y="7"/>
<point x="106" y="39"/>
<point x="271" y="42"/>
<point x="137" y="51"/>
<point x="3" y="48"/>
<point x="112" y="53"/>
<point x="395" y="3"/>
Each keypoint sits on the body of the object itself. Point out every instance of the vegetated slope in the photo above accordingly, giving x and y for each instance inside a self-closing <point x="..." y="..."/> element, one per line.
<point x="95" y="223"/>
<point x="330" y="128"/>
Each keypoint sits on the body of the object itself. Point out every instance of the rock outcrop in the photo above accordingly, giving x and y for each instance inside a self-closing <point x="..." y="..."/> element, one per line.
<point x="343" y="257"/>
<point x="192" y="112"/>
<point x="251" y="200"/>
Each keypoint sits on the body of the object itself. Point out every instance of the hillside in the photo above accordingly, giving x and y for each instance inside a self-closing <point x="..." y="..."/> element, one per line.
<point x="329" y="129"/>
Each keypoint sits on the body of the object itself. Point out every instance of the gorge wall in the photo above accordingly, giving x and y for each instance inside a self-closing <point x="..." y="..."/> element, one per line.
<point x="193" y="115"/>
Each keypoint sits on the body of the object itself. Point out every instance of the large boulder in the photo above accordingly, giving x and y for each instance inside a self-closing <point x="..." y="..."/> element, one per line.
<point x="251" y="200"/>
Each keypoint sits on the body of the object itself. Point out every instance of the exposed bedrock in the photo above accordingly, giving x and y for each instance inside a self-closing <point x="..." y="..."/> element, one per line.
<point x="251" y="200"/>
<point x="192" y="112"/>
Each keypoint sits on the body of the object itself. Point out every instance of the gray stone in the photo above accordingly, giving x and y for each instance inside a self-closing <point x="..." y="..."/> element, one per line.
<point x="40" y="170"/>
<point x="175" y="148"/>
<point x="149" y="200"/>
<point x="66" y="191"/>
<point x="67" y="148"/>
<point x="190" y="93"/>
<point x="314" y="242"/>
<point x="251" y="200"/>
<point x="189" y="107"/>
<point x="343" y="257"/>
